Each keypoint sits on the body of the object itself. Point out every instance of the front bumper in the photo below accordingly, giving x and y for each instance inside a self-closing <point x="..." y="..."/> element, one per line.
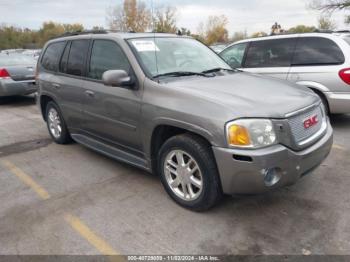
<point x="339" y="103"/>
<point x="247" y="177"/>
<point x="12" y="88"/>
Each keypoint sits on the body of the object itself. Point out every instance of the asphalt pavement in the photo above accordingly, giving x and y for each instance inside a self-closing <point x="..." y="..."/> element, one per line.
<point x="68" y="199"/>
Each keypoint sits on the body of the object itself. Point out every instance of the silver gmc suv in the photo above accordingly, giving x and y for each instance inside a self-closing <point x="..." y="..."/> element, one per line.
<point x="319" y="61"/>
<point x="169" y="105"/>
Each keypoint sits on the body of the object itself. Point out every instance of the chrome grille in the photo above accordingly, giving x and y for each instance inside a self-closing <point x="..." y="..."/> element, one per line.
<point x="296" y="123"/>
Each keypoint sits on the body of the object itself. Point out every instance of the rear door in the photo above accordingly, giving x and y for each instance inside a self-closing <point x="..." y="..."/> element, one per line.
<point x="111" y="114"/>
<point x="68" y="82"/>
<point x="48" y="67"/>
<point x="317" y="60"/>
<point x="270" y="57"/>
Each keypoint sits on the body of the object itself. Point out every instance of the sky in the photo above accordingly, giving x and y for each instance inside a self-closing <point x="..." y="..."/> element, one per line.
<point x="243" y="15"/>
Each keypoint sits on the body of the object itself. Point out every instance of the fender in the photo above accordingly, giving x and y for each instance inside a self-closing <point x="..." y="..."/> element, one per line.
<point x="179" y="124"/>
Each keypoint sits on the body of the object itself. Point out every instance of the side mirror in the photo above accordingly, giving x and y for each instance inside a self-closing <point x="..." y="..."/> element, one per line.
<point x="118" y="78"/>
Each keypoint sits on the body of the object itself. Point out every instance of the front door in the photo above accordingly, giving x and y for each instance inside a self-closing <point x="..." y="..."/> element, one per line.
<point x="111" y="114"/>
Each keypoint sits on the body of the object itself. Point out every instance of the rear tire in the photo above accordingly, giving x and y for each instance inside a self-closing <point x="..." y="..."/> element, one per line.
<point x="56" y="124"/>
<point x="188" y="172"/>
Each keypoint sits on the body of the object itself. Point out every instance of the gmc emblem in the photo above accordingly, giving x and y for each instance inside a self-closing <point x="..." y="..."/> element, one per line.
<point x="310" y="122"/>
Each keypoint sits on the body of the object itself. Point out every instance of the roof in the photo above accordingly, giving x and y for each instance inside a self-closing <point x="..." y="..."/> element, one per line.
<point x="281" y="36"/>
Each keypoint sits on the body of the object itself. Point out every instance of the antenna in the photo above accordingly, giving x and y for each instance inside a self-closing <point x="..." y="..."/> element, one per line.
<point x="154" y="36"/>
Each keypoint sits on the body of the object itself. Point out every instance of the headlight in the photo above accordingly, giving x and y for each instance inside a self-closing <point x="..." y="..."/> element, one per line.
<point x="251" y="133"/>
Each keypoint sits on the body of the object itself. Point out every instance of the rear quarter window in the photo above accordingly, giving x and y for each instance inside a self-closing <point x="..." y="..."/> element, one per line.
<point x="317" y="51"/>
<point x="52" y="56"/>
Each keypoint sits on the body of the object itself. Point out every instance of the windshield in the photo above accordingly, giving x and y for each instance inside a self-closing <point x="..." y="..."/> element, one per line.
<point x="15" y="59"/>
<point x="166" y="55"/>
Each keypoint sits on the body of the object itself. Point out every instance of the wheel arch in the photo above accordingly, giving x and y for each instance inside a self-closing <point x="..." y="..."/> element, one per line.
<point x="43" y="101"/>
<point x="318" y="89"/>
<point x="163" y="131"/>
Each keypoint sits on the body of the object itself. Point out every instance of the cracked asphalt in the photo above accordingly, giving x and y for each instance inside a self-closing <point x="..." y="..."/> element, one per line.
<point x="58" y="199"/>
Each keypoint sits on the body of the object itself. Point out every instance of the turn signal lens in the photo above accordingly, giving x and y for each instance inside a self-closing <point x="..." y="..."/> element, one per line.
<point x="251" y="133"/>
<point x="238" y="135"/>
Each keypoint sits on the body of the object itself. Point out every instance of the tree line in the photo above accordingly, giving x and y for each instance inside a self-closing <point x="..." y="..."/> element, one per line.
<point x="136" y="16"/>
<point x="14" y="37"/>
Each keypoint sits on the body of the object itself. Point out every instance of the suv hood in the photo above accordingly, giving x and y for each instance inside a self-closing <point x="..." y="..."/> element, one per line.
<point x="247" y="95"/>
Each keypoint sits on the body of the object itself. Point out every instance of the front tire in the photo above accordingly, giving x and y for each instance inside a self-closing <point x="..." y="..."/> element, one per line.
<point x="56" y="124"/>
<point x="188" y="172"/>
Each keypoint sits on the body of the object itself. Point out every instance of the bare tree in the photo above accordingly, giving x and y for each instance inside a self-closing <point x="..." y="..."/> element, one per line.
<point x="214" y="30"/>
<point x="165" y="20"/>
<point x="133" y="15"/>
<point x="326" y="23"/>
<point x="330" y="6"/>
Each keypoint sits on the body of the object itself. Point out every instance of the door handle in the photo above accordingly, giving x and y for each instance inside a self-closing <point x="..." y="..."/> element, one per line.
<point x="56" y="86"/>
<point x="89" y="93"/>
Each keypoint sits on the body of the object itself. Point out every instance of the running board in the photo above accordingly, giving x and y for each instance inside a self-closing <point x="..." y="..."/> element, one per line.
<point x="111" y="152"/>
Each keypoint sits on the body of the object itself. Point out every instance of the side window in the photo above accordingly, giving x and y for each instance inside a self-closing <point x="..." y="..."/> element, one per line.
<point x="270" y="53"/>
<point x="234" y="55"/>
<point x="106" y="55"/>
<point x="77" y="57"/>
<point x="64" y="59"/>
<point x="52" y="56"/>
<point x="317" y="51"/>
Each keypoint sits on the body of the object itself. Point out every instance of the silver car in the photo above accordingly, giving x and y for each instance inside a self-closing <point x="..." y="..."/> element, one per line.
<point x="17" y="75"/>
<point x="170" y="105"/>
<point x="319" y="61"/>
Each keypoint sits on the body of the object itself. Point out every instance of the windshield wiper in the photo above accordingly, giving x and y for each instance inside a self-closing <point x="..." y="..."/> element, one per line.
<point x="180" y="73"/>
<point x="218" y="69"/>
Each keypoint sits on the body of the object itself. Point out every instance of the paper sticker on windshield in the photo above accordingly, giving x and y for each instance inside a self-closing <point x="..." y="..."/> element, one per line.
<point x="145" y="46"/>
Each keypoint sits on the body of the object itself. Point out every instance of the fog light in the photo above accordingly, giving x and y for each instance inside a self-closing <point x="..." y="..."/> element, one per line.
<point x="272" y="176"/>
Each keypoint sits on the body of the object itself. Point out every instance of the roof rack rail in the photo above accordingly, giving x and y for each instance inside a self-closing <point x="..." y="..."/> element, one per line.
<point x="342" y="31"/>
<point x="86" y="32"/>
<point x="320" y="31"/>
<point x="325" y="31"/>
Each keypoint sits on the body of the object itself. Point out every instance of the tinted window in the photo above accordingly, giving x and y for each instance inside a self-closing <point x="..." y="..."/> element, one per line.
<point x="106" y="55"/>
<point x="52" y="56"/>
<point x="234" y="54"/>
<point x="317" y="51"/>
<point x="64" y="59"/>
<point x="77" y="57"/>
<point x="270" y="53"/>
